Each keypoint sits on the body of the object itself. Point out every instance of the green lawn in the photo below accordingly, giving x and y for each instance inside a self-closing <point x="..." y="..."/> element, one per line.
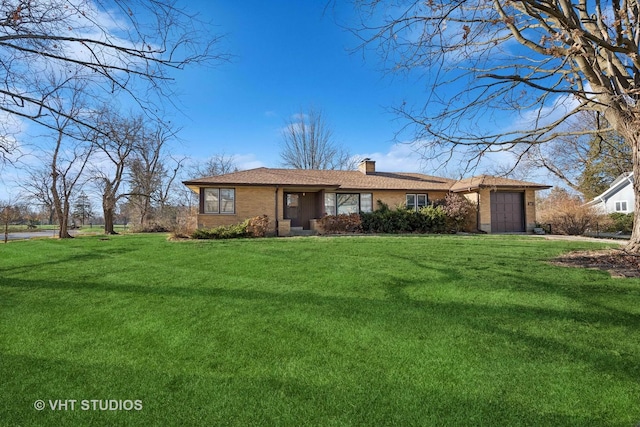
<point x="398" y="331"/>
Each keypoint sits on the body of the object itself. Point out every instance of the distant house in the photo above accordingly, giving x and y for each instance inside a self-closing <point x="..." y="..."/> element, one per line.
<point x="294" y="199"/>
<point x="619" y="197"/>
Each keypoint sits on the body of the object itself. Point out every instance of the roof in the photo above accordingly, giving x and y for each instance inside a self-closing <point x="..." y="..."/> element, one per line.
<point x="618" y="184"/>
<point x="488" y="181"/>
<point x="356" y="180"/>
<point x="328" y="178"/>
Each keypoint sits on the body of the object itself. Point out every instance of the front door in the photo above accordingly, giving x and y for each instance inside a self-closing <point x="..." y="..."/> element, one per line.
<point x="299" y="208"/>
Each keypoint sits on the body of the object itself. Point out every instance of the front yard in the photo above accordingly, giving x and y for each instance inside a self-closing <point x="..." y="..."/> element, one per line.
<point x="425" y="330"/>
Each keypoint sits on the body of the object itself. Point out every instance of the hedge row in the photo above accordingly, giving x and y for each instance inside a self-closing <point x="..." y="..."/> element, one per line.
<point x="455" y="213"/>
<point x="252" y="227"/>
<point x="430" y="219"/>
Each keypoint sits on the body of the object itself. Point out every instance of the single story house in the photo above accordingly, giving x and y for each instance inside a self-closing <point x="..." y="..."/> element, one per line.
<point x="619" y="197"/>
<point x="297" y="198"/>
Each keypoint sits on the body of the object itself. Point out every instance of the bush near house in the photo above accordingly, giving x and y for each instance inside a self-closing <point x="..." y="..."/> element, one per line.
<point x="567" y="214"/>
<point x="252" y="227"/>
<point x="430" y="219"/>
<point x="258" y="226"/>
<point x="343" y="223"/>
<point x="619" y="222"/>
<point x="461" y="213"/>
<point x="453" y="214"/>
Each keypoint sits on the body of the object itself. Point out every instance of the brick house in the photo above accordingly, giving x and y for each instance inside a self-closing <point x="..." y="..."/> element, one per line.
<point x="297" y="198"/>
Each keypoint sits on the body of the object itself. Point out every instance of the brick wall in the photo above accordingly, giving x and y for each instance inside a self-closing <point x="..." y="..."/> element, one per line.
<point x="484" y="197"/>
<point x="529" y="210"/>
<point x="253" y="201"/>
<point x="250" y="202"/>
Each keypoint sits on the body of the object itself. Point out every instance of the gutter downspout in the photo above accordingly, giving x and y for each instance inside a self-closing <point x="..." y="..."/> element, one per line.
<point x="277" y="222"/>
<point x="478" y="212"/>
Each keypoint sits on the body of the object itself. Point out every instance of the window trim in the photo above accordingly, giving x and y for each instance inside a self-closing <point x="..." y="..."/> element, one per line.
<point x="620" y="203"/>
<point x="219" y="211"/>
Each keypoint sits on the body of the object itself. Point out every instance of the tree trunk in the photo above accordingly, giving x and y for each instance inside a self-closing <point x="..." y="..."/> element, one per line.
<point x="634" y="242"/>
<point x="108" y="221"/>
<point x="61" y="213"/>
<point x="108" y="209"/>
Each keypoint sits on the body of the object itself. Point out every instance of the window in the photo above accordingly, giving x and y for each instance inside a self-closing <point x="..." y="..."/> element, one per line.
<point x="219" y="201"/>
<point x="366" y="202"/>
<point x="416" y="201"/>
<point x="227" y="200"/>
<point x="292" y="200"/>
<point x="291" y="208"/>
<point x="330" y="203"/>
<point x="211" y="200"/>
<point x="621" y="206"/>
<point x="347" y="203"/>
<point x="343" y="203"/>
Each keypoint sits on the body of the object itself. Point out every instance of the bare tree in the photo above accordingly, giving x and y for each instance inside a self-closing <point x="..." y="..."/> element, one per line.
<point x="120" y="47"/>
<point x="10" y="211"/>
<point x="67" y="167"/>
<point x="70" y="153"/>
<point x="115" y="143"/>
<point x="484" y="60"/>
<point x="37" y="187"/>
<point x="586" y="163"/>
<point x="152" y="173"/>
<point x="218" y="164"/>
<point x="308" y="143"/>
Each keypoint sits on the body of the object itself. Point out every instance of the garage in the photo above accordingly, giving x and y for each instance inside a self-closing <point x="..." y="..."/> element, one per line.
<point x="507" y="212"/>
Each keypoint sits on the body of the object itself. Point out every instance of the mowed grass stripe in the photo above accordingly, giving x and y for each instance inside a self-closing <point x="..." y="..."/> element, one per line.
<point x="418" y="330"/>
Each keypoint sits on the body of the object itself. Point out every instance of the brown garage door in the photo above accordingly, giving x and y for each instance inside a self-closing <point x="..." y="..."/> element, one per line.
<point x="507" y="212"/>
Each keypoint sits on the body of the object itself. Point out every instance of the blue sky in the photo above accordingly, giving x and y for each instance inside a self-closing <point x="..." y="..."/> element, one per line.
<point x="287" y="56"/>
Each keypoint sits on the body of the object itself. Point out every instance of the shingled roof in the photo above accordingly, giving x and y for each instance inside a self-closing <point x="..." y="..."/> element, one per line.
<point x="344" y="180"/>
<point x="356" y="180"/>
<point x="488" y="181"/>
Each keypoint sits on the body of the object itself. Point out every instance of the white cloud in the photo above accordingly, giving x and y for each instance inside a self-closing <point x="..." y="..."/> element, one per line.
<point x="544" y="115"/>
<point x="401" y="157"/>
<point x="414" y="157"/>
<point x="247" y="161"/>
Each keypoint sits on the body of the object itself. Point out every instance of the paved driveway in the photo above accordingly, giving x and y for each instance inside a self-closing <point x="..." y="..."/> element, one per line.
<point x="34" y="234"/>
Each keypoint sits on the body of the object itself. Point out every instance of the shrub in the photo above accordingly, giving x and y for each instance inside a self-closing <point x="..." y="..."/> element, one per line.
<point x="343" y="223"/>
<point x="567" y="214"/>
<point x="461" y="213"/>
<point x="430" y="219"/>
<point x="223" y="232"/>
<point x="620" y="222"/>
<point x="153" y="227"/>
<point x="435" y="218"/>
<point x="253" y="227"/>
<point x="258" y="226"/>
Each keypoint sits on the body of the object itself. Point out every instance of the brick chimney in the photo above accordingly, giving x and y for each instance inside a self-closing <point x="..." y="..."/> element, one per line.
<point x="367" y="166"/>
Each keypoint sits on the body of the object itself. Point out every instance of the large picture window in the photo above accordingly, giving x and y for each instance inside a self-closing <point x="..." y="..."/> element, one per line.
<point x="347" y="203"/>
<point x="219" y="201"/>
